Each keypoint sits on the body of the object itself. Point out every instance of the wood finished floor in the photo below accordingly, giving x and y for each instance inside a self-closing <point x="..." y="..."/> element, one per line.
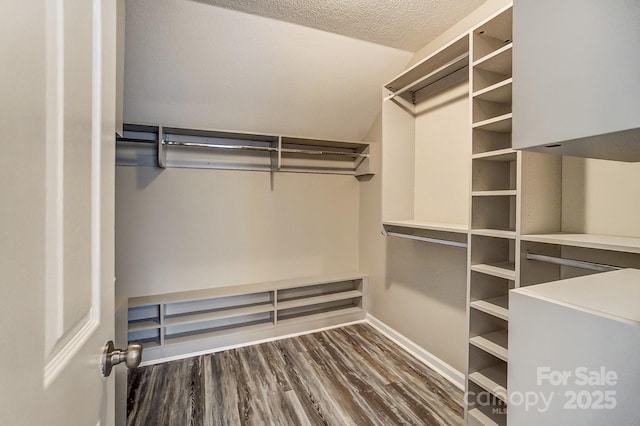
<point x="346" y="376"/>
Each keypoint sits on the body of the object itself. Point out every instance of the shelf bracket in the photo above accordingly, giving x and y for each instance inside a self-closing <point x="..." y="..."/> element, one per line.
<point x="162" y="152"/>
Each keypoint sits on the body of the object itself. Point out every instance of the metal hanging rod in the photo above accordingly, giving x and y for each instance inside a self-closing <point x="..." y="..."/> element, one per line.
<point x="455" y="64"/>
<point x="264" y="148"/>
<point x="582" y="264"/>
<point x="316" y="152"/>
<point x="428" y="240"/>
<point x="218" y="146"/>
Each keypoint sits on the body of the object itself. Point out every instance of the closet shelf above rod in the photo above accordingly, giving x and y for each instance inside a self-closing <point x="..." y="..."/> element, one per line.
<point x="228" y="150"/>
<point x="263" y="148"/>
<point x="442" y="69"/>
<point x="434" y="77"/>
<point x="314" y="152"/>
<point x="600" y="267"/>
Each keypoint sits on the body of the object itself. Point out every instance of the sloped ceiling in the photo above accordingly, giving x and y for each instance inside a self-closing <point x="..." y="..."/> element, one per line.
<point x="196" y="65"/>
<point x="402" y="24"/>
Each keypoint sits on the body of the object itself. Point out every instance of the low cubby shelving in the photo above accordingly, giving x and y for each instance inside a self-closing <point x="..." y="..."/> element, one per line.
<point x="175" y="324"/>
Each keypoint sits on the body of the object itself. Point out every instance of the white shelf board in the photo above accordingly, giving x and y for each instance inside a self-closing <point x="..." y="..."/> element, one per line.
<point x="498" y="193"/>
<point x="499" y="124"/>
<point x="439" y="58"/>
<point x="215" y="315"/>
<point x="498" y="61"/>
<point x="143" y="325"/>
<point x="149" y="343"/>
<point x="506" y="154"/>
<point x="504" y="270"/>
<point x="614" y="294"/>
<point x="315" y="300"/>
<point x="498" y="26"/>
<point x="499" y="92"/>
<point x="197" y="334"/>
<point x="481" y="418"/>
<point x="496" y="306"/>
<point x="430" y="226"/>
<point x="600" y="242"/>
<point x="497" y="233"/>
<point x="495" y="343"/>
<point x="193" y="295"/>
<point x="492" y="379"/>
<point x="322" y="315"/>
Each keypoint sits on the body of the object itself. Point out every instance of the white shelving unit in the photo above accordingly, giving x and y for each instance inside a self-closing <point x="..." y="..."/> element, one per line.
<point x="176" y="324"/>
<point x="517" y="202"/>
<point x="493" y="268"/>
<point x="418" y="154"/>
<point x="147" y="145"/>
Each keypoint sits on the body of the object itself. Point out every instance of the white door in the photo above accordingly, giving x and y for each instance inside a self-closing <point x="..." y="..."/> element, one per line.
<point x="57" y="112"/>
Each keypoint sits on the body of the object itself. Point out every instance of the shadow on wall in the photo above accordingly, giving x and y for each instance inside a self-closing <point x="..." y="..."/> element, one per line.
<point x="574" y="183"/>
<point x="146" y="175"/>
<point x="432" y="270"/>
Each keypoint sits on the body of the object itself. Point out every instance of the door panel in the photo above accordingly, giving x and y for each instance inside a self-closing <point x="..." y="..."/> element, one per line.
<point x="57" y="123"/>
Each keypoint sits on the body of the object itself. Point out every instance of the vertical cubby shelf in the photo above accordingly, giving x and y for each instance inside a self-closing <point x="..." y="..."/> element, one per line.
<point x="176" y="324"/>
<point x="493" y="264"/>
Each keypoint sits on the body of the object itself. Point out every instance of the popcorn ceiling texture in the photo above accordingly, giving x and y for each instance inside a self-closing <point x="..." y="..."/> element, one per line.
<point x="403" y="24"/>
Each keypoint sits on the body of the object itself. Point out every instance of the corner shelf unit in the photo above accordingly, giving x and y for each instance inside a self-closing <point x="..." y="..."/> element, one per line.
<point x="518" y="204"/>
<point x="149" y="145"/>
<point x="176" y="324"/>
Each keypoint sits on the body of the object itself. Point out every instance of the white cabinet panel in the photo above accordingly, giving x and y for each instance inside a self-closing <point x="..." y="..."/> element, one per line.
<point x="574" y="348"/>
<point x="576" y="78"/>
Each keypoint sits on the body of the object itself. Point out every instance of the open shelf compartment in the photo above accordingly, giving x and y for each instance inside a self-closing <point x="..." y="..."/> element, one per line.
<point x="181" y="322"/>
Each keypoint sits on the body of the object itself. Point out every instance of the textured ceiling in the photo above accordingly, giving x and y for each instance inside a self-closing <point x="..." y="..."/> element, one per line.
<point x="402" y="24"/>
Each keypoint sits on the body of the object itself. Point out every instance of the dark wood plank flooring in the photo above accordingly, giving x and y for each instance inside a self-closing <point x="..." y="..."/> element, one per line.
<point x="346" y="376"/>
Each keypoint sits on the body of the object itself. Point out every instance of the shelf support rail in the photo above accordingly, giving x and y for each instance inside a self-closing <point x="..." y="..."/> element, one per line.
<point x="427" y="239"/>
<point x="582" y="264"/>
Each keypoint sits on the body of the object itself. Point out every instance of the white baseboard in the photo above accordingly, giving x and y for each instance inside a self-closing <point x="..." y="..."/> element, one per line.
<point x="424" y="356"/>
<point x="448" y="372"/>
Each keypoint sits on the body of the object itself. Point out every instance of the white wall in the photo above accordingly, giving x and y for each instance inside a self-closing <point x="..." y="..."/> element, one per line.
<point x="196" y="65"/>
<point x="193" y="65"/>
<point x="411" y="286"/>
<point x="600" y="197"/>
<point x="183" y="229"/>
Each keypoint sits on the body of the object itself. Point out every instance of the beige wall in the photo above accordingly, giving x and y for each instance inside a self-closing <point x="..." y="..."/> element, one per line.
<point x="184" y="229"/>
<point x="600" y="197"/>
<point x="418" y="289"/>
